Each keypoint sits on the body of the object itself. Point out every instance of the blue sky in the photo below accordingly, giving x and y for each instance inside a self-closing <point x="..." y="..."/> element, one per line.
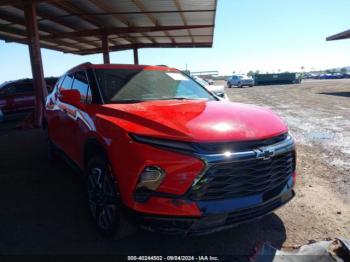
<point x="265" y="35"/>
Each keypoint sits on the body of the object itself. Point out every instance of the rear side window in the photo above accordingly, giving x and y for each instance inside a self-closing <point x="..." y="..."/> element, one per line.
<point x="21" y="88"/>
<point x="81" y="84"/>
<point x="67" y="82"/>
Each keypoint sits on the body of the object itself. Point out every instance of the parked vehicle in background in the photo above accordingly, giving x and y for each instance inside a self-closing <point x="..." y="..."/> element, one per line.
<point x="277" y="79"/>
<point x="161" y="151"/>
<point x="328" y="76"/>
<point x="215" y="89"/>
<point x="240" y="81"/>
<point x="17" y="97"/>
<point x="209" y="81"/>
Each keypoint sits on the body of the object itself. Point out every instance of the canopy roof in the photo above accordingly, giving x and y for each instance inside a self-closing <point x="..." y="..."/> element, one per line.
<point x="342" y="35"/>
<point x="77" y="26"/>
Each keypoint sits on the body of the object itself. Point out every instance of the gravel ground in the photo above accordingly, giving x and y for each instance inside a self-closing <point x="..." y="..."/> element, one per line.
<point x="318" y="115"/>
<point x="42" y="207"/>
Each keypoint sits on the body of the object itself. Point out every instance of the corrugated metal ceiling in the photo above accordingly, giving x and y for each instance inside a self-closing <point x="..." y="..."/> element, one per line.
<point x="76" y="26"/>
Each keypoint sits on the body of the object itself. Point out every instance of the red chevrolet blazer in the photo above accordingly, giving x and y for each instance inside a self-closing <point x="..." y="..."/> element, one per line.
<point x="160" y="151"/>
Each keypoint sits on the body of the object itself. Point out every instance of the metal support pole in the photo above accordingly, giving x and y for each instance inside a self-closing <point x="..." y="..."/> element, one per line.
<point x="36" y="61"/>
<point x="105" y="48"/>
<point x="136" y="56"/>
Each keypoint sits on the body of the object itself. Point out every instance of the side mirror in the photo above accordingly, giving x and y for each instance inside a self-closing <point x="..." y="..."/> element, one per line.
<point x="71" y="96"/>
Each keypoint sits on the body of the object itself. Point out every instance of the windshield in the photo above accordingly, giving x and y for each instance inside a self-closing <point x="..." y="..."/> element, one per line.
<point x="123" y="85"/>
<point x="201" y="81"/>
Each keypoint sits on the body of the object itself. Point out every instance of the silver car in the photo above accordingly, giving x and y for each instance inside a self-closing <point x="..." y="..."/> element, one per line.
<point x="240" y="81"/>
<point x="219" y="91"/>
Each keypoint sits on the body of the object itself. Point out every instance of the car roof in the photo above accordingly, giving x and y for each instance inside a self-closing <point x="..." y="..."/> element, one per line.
<point x="24" y="81"/>
<point x="122" y="66"/>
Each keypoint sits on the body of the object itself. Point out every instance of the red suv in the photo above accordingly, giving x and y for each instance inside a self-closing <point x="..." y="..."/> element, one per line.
<point x="160" y="151"/>
<point x="17" y="97"/>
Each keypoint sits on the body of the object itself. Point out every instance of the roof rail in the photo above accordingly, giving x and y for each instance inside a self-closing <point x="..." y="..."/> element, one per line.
<point x="81" y="65"/>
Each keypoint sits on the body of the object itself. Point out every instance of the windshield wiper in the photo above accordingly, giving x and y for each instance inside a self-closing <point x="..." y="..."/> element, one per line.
<point x="177" y="98"/>
<point x="121" y="101"/>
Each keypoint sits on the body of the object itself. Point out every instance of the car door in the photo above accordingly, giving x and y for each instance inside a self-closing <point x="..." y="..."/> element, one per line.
<point x="58" y="121"/>
<point x="78" y="121"/>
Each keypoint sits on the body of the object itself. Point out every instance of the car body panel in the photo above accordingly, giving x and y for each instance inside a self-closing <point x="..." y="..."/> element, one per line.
<point x="112" y="126"/>
<point x="196" y="120"/>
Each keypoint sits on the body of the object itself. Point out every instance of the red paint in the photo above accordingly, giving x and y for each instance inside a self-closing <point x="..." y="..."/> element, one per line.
<point x="18" y="96"/>
<point x="110" y="125"/>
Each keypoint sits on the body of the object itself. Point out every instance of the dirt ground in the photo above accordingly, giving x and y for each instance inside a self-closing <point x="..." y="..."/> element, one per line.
<point x="318" y="115"/>
<point x="42" y="206"/>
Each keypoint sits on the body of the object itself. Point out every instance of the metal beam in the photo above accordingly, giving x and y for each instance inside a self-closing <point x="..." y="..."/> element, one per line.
<point x="62" y="23"/>
<point x="136" y="56"/>
<point x="105" y="49"/>
<point x="20" y="32"/>
<point x="183" y="18"/>
<point x="23" y="41"/>
<point x="121" y="30"/>
<point x="108" y="13"/>
<point x="142" y="8"/>
<point x="150" y="45"/>
<point x="340" y="36"/>
<point x="107" y="7"/>
<point x="19" y="2"/>
<point x="36" y="62"/>
<point x="70" y="7"/>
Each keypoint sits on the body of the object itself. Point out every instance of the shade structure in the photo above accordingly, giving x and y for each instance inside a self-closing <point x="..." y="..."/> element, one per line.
<point x="339" y="36"/>
<point x="78" y="26"/>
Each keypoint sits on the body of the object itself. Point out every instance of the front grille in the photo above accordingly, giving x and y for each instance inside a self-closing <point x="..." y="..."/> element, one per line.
<point x="244" y="178"/>
<point x="215" y="148"/>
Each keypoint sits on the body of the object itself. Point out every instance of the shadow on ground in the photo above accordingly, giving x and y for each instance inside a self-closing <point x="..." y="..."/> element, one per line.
<point x="42" y="211"/>
<point x="342" y="94"/>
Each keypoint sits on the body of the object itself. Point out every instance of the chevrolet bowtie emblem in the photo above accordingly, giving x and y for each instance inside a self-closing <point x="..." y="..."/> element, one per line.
<point x="265" y="154"/>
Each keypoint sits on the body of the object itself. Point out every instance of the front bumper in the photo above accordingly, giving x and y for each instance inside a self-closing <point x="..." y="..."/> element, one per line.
<point x="210" y="221"/>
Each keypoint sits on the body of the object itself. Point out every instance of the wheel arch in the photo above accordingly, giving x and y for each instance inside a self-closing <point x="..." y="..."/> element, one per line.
<point x="93" y="146"/>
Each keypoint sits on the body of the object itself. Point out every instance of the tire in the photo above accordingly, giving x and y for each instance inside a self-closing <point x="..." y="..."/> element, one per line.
<point x="104" y="200"/>
<point x="250" y="85"/>
<point x="229" y="85"/>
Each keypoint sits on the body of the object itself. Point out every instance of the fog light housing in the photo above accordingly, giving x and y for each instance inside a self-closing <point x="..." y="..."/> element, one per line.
<point x="151" y="178"/>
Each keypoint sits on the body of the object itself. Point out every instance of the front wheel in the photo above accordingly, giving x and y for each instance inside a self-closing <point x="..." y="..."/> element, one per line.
<point x="104" y="200"/>
<point x="229" y="85"/>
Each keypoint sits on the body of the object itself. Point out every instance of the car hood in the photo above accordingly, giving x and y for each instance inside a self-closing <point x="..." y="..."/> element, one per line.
<point x="195" y="120"/>
<point x="215" y="88"/>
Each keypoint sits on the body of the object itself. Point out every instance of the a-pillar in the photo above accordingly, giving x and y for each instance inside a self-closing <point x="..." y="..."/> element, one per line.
<point x="136" y="56"/>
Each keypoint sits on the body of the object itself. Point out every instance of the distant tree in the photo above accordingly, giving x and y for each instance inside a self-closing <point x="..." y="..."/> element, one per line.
<point x="257" y="72"/>
<point x="343" y="70"/>
<point x="250" y="73"/>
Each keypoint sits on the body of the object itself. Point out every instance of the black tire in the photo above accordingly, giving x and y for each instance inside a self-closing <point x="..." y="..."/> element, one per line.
<point x="250" y="85"/>
<point x="229" y="85"/>
<point x="104" y="200"/>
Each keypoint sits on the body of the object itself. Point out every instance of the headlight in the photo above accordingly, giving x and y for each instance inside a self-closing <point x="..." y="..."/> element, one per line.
<point x="163" y="143"/>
